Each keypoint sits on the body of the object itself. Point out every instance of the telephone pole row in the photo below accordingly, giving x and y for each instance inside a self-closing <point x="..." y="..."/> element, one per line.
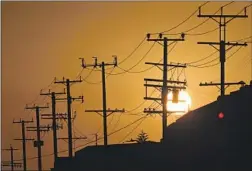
<point x="23" y="139"/>
<point x="104" y="98"/>
<point x="69" y="99"/>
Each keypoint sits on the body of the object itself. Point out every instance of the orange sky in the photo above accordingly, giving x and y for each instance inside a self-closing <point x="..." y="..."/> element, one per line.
<point x="43" y="40"/>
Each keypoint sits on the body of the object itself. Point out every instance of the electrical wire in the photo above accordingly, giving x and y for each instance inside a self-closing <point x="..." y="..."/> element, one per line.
<point x="141" y="104"/>
<point x="242" y="39"/>
<point x="205" y="62"/>
<point x="132" y="130"/>
<point x="99" y="82"/>
<point x="192" y="62"/>
<point x="117" y="122"/>
<point x="135" y="72"/>
<point x="128" y="70"/>
<point x="203" y="33"/>
<point x="183" y="20"/>
<point x="234" y="53"/>
<point x="200" y="24"/>
<point x="112" y="118"/>
<point x="207" y="66"/>
<point x="132" y="51"/>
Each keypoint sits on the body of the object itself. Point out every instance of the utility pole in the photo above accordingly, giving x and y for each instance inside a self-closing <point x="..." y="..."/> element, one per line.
<point x="24" y="139"/>
<point x="223" y="21"/>
<point x="11" y="163"/>
<point x="54" y="124"/>
<point x="165" y="65"/>
<point x="38" y="129"/>
<point x="96" y="139"/>
<point x="69" y="99"/>
<point x="104" y="99"/>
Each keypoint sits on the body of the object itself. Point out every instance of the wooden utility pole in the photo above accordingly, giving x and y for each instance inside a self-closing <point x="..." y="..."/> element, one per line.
<point x="96" y="139"/>
<point x="11" y="162"/>
<point x="69" y="99"/>
<point x="165" y="65"/>
<point x="54" y="123"/>
<point x="24" y="139"/>
<point x="38" y="129"/>
<point x="223" y="21"/>
<point x="104" y="101"/>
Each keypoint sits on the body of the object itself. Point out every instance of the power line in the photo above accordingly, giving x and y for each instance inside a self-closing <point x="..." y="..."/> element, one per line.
<point x="192" y="62"/>
<point x="242" y="39"/>
<point x="207" y="62"/>
<point x="200" y="66"/>
<point x="136" y="72"/>
<point x="132" y="51"/>
<point x="144" y="56"/>
<point x="183" y="20"/>
<point x="200" y="24"/>
<point x="99" y="82"/>
<point x="202" y="33"/>
<point x="132" y="130"/>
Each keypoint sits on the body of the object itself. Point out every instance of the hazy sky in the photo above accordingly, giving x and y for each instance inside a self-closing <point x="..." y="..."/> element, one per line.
<point x="43" y="40"/>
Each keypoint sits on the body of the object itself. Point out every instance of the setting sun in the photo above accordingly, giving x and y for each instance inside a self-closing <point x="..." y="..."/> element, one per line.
<point x="182" y="106"/>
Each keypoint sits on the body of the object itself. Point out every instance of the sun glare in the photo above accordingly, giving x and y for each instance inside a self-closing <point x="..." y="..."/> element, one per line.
<point x="183" y="105"/>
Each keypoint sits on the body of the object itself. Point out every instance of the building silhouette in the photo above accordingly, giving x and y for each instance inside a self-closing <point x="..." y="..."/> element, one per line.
<point x="215" y="137"/>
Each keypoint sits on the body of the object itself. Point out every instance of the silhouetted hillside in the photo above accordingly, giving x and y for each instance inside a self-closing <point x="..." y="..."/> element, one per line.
<point x="199" y="140"/>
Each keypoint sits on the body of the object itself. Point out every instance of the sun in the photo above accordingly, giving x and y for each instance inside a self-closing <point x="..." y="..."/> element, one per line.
<point x="183" y="105"/>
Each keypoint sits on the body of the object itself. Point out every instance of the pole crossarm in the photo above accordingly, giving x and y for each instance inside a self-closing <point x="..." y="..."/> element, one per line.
<point x="27" y="139"/>
<point x="168" y="81"/>
<point x="226" y="43"/>
<point x="34" y="107"/>
<point x="96" y="64"/>
<point x="159" y="99"/>
<point x="227" y="84"/>
<point x="80" y="98"/>
<point x="110" y="111"/>
<point x="10" y="149"/>
<point x="40" y="129"/>
<point x="67" y="80"/>
<point x="22" y="121"/>
<point x="170" y="65"/>
<point x="14" y="164"/>
<point x="58" y="116"/>
<point x="74" y="138"/>
<point x="169" y="87"/>
<point x="49" y="93"/>
<point x="231" y="83"/>
<point x="223" y="16"/>
<point x="161" y="38"/>
<point x="212" y="16"/>
<point x="153" y="111"/>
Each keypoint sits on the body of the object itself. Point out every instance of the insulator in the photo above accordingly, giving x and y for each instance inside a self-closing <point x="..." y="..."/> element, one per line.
<point x="160" y="35"/>
<point x="148" y="35"/>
